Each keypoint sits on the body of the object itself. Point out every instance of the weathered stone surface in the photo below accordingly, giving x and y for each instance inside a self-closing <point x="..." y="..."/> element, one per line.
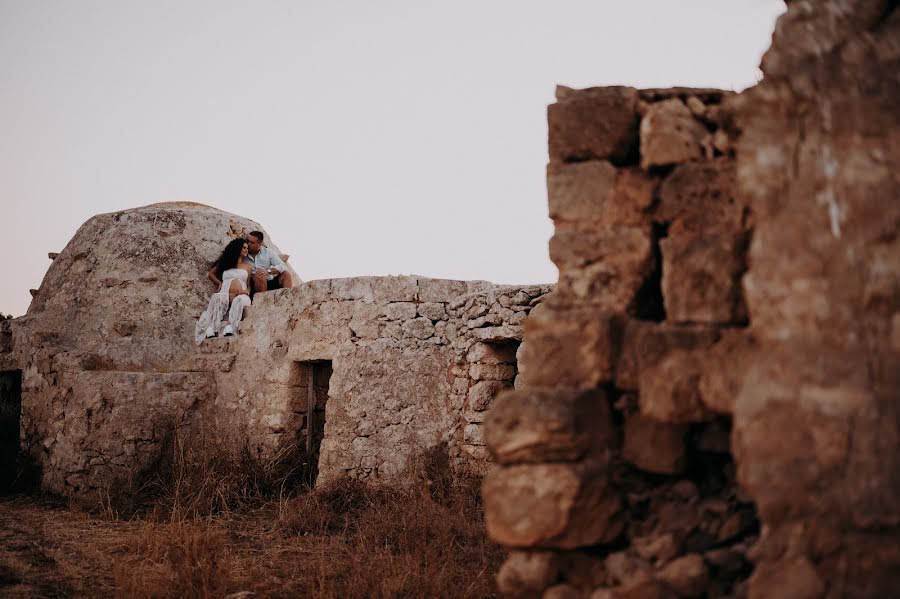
<point x="606" y="267"/>
<point x="551" y="505"/>
<point x="670" y="389"/>
<point x="702" y="198"/>
<point x="597" y="123"/>
<point x="492" y="372"/>
<point x="487" y="353"/>
<point x="591" y="192"/>
<point x="527" y="573"/>
<point x="654" y="446"/>
<point x="701" y="278"/>
<point x="687" y="575"/>
<point x="482" y="394"/>
<point x="562" y="591"/>
<point x="568" y="347"/>
<point x="724" y="366"/>
<point x="400" y="310"/>
<point x="658" y="549"/>
<point x="794" y="579"/>
<point x="432" y="310"/>
<point x="548" y="425"/>
<point x="670" y="134"/>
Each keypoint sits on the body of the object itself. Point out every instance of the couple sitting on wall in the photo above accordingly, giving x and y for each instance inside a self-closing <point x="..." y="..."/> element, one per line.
<point x="245" y="267"/>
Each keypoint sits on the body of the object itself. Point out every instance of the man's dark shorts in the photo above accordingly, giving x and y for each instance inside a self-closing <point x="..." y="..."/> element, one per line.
<point x="273" y="284"/>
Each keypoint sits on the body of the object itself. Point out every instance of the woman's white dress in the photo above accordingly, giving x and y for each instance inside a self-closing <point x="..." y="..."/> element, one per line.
<point x="218" y="314"/>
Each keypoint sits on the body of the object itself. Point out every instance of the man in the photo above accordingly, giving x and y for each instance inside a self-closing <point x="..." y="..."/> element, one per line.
<point x="269" y="272"/>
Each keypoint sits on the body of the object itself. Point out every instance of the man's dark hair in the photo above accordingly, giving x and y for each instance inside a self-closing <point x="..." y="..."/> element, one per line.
<point x="257" y="234"/>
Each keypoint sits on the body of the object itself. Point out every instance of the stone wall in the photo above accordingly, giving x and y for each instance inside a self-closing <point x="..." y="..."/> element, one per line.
<point x="415" y="362"/>
<point x="615" y="469"/>
<point x="708" y="398"/>
<point x="110" y="370"/>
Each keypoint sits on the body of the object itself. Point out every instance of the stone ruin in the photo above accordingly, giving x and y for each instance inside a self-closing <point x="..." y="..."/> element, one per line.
<point x="706" y="404"/>
<point x="709" y="400"/>
<point x="359" y="375"/>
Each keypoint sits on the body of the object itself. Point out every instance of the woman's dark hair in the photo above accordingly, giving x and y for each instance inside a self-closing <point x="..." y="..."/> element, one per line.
<point x="230" y="256"/>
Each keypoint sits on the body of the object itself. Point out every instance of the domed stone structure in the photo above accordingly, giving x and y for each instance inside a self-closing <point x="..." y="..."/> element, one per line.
<point x="106" y="351"/>
<point x="108" y="370"/>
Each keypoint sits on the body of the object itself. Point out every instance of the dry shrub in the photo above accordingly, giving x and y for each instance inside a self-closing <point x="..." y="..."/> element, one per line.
<point x="205" y="475"/>
<point x="177" y="559"/>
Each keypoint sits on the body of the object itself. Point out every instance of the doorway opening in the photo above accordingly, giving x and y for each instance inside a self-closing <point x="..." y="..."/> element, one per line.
<point x="10" y="418"/>
<point x="312" y="395"/>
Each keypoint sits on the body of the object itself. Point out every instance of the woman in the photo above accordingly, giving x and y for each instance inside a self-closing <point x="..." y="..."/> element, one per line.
<point x="231" y="274"/>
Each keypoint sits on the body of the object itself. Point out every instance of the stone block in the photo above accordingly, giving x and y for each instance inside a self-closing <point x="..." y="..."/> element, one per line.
<point x="395" y="289"/>
<point x="432" y="310"/>
<point x="670" y="134"/>
<point x="498" y="334"/>
<point x="481" y="395"/>
<point x="400" y="310"/>
<point x="654" y="446"/>
<point x="492" y="353"/>
<point x="593" y="124"/>
<point x="561" y="506"/>
<point x="701" y="280"/>
<point x="598" y="192"/>
<point x="473" y="434"/>
<point x="605" y="267"/>
<point x="492" y="372"/>
<point x="572" y="348"/>
<point x="527" y="573"/>
<point x="688" y="575"/>
<point x="702" y="198"/>
<point x="549" y="425"/>
<point x="441" y="290"/>
<point x="670" y="389"/>
<point x="419" y="328"/>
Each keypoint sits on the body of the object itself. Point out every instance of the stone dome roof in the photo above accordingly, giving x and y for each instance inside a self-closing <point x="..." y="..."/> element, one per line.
<point x="129" y="285"/>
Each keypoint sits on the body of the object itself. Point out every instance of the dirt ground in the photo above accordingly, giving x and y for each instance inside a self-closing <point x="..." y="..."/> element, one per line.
<point x="345" y="542"/>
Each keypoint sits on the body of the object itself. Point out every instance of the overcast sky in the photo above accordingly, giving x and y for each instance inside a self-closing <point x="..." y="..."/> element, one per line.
<point x="368" y="138"/>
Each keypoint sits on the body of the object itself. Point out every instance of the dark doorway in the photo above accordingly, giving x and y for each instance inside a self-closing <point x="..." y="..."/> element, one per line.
<point x="312" y="395"/>
<point x="10" y="416"/>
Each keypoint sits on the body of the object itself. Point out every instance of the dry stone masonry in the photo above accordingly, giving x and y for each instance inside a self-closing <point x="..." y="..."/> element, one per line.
<point x="360" y="374"/>
<point x="708" y="400"/>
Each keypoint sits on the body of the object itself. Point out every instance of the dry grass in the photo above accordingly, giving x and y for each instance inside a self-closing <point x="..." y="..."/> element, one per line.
<point x="212" y="526"/>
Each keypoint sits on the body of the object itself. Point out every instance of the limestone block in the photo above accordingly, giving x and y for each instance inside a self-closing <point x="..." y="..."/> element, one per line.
<point x="420" y="328"/>
<point x="481" y="395"/>
<point x="568" y="347"/>
<point x="353" y="288"/>
<point x="624" y="566"/>
<point x="551" y="505"/>
<point x="703" y="198"/>
<point x="440" y="290"/>
<point x="527" y="573"/>
<point x="654" y="446"/>
<point x="395" y="289"/>
<point x="724" y="367"/>
<point x="476" y="452"/>
<point x="487" y="353"/>
<point x="701" y="278"/>
<point x="498" y="334"/>
<point x="794" y="578"/>
<point x="562" y="591"/>
<point x="492" y="372"/>
<point x="473" y="434"/>
<point x="432" y="310"/>
<point x="606" y="267"/>
<point x="670" y="134"/>
<point x="596" y="123"/>
<point x="536" y="425"/>
<point x="687" y="575"/>
<point x="400" y="310"/>
<point x="670" y="389"/>
<point x="596" y="191"/>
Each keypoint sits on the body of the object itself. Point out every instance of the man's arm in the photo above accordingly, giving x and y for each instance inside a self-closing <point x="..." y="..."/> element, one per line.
<point x="276" y="262"/>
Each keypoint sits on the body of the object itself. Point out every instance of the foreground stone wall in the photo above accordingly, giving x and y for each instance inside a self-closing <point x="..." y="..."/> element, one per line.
<point x="726" y="263"/>
<point x="615" y="472"/>
<point x="817" y="419"/>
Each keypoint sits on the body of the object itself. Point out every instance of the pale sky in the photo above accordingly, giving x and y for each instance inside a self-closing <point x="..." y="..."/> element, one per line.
<point x="368" y="138"/>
